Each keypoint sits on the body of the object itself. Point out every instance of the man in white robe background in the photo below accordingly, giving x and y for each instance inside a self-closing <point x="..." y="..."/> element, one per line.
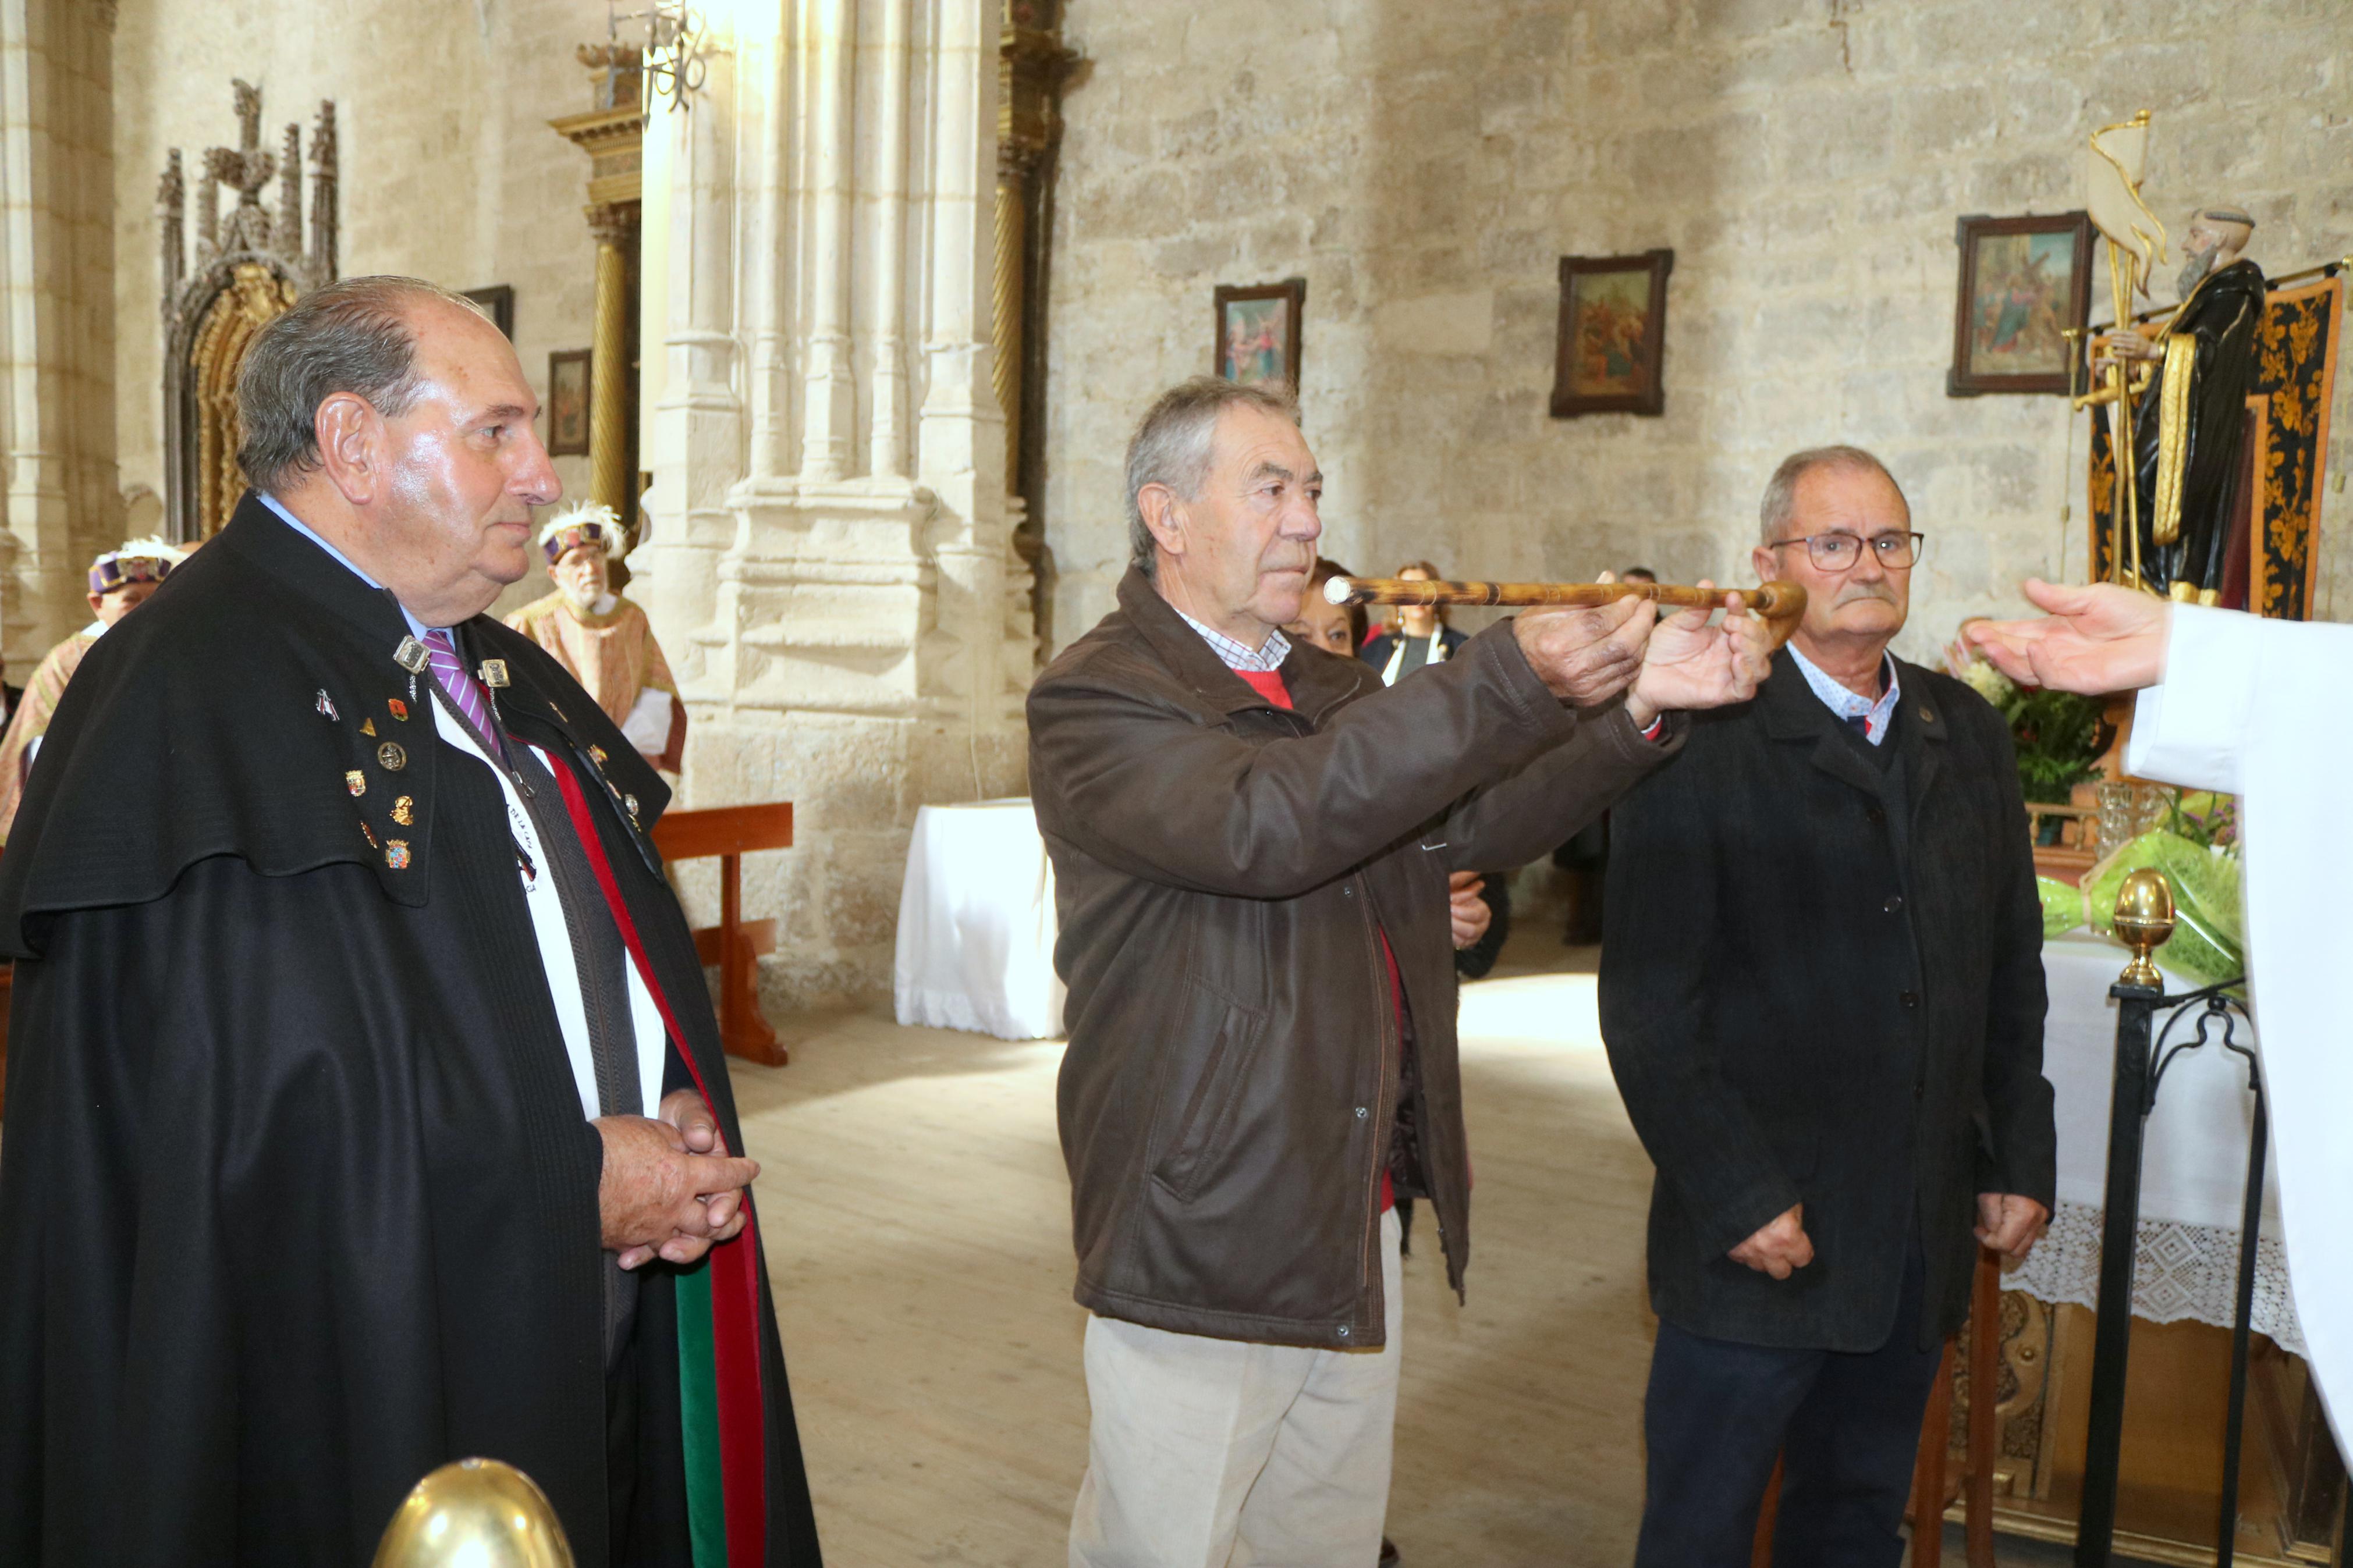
<point x="2261" y="709"/>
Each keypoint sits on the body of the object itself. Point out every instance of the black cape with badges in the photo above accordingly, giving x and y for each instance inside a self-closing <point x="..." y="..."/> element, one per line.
<point x="297" y="1198"/>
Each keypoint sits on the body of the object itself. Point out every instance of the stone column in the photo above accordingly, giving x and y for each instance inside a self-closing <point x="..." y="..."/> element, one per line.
<point x="610" y="478"/>
<point x="57" y="289"/>
<point x="829" y="561"/>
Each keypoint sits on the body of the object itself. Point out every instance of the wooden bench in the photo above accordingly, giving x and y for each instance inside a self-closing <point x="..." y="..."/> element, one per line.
<point x="732" y="832"/>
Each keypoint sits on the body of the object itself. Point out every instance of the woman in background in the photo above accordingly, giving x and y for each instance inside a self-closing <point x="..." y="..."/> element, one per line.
<point x="1419" y="637"/>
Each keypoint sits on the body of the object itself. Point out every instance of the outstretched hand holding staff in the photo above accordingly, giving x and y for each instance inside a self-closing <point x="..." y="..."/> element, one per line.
<point x="1613" y="640"/>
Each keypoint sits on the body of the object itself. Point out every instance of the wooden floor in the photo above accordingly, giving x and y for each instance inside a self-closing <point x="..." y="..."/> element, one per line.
<point x="918" y="1235"/>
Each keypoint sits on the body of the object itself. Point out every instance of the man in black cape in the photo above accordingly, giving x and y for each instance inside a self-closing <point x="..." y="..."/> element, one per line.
<point x="347" y="977"/>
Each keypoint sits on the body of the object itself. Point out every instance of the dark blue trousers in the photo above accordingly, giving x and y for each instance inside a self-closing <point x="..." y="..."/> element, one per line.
<point x="1846" y="1425"/>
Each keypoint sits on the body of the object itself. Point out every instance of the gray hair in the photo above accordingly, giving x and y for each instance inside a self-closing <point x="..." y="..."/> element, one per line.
<point x="1781" y="490"/>
<point x="354" y="336"/>
<point x="2227" y="215"/>
<point x="1172" y="446"/>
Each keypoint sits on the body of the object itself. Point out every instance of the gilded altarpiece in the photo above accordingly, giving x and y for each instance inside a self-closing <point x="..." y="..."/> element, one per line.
<point x="247" y="266"/>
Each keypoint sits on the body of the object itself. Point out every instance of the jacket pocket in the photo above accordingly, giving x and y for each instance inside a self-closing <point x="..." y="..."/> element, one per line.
<point x="1208" y="1116"/>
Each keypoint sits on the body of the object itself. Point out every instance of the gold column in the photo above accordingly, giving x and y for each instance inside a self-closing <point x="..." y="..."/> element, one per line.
<point x="610" y="370"/>
<point x="613" y="135"/>
<point x="1031" y="65"/>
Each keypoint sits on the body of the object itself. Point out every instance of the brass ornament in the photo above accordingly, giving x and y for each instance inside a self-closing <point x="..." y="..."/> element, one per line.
<point x="478" y="1512"/>
<point x="412" y="655"/>
<point x="404" y="811"/>
<point x="2142" y="921"/>
<point x="390" y="757"/>
<point x="596" y="756"/>
<point x="396" y="708"/>
<point x="355" y="782"/>
<point x="493" y="673"/>
<point x="396" y="854"/>
<point x="630" y="802"/>
<point x="369" y="833"/>
<point x="367" y="727"/>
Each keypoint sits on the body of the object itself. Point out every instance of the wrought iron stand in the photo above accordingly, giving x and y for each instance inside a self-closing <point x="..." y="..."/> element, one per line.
<point x="2144" y="1052"/>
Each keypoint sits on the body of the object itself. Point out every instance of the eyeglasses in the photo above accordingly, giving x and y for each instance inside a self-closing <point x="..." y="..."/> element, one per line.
<point x="1840" y="552"/>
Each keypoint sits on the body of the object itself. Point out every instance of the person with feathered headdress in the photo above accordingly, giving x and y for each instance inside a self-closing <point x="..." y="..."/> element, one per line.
<point x="606" y="641"/>
<point x="120" y="581"/>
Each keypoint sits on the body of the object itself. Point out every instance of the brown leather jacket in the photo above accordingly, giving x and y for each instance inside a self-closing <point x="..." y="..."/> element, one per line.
<point x="1222" y="870"/>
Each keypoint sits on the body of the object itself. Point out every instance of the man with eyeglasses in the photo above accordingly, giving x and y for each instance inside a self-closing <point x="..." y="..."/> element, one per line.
<point x="1821" y="992"/>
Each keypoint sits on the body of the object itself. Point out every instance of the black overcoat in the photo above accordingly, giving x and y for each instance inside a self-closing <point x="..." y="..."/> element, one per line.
<point x="297" y="1198"/>
<point x="1801" y="1006"/>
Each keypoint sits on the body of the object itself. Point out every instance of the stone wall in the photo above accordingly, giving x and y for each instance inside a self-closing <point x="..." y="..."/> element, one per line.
<point x="449" y="171"/>
<point x="1424" y="167"/>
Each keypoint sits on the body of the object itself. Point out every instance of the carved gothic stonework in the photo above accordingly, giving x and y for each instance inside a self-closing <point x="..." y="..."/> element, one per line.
<point x="247" y="267"/>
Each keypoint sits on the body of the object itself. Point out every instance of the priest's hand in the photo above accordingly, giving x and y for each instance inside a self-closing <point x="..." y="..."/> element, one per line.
<point x="1780" y="1249"/>
<point x="2010" y="1225"/>
<point x="2098" y="639"/>
<point x="658" y="1196"/>
<point x="1690" y="664"/>
<point x="1587" y="657"/>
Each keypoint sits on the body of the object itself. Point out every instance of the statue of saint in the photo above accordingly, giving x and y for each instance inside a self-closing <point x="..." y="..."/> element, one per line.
<point x="2190" y="410"/>
<point x="601" y="637"/>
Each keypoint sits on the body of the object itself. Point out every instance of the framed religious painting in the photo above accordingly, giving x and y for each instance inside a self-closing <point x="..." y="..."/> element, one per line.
<point x="1258" y="333"/>
<point x="2026" y="285"/>
<point x="498" y="302"/>
<point x="567" y="402"/>
<point x="1611" y="356"/>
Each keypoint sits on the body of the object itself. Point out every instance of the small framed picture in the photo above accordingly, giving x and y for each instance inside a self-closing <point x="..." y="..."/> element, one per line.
<point x="567" y="402"/>
<point x="1610" y="357"/>
<point x="2026" y="282"/>
<point x="1258" y="333"/>
<point x="498" y="299"/>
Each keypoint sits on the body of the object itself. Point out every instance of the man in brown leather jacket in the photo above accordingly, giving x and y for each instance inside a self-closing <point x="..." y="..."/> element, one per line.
<point x="1251" y="844"/>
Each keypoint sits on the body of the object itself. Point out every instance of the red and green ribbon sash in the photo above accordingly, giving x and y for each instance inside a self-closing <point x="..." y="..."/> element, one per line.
<point x="723" y="1418"/>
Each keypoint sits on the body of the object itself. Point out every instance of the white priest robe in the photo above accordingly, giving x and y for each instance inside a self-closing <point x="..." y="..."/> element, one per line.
<point x="2263" y="710"/>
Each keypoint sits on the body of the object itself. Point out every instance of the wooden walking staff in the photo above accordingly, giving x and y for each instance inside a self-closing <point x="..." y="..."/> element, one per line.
<point x="1777" y="601"/>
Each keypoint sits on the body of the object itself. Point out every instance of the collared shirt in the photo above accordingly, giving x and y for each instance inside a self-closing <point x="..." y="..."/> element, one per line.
<point x="417" y="627"/>
<point x="1852" y="705"/>
<point x="1237" y="655"/>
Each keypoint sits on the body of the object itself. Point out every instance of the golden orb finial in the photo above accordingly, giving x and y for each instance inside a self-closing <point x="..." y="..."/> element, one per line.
<point x="2143" y="921"/>
<point x="477" y="1512"/>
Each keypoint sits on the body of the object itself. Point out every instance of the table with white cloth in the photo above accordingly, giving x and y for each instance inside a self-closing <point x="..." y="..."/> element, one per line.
<point x="977" y="923"/>
<point x="2193" y="1167"/>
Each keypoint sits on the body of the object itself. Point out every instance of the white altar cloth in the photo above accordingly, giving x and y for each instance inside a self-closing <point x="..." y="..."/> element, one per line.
<point x="2193" y="1166"/>
<point x="976" y="925"/>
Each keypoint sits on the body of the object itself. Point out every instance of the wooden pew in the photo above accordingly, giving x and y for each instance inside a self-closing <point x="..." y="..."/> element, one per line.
<point x="732" y="832"/>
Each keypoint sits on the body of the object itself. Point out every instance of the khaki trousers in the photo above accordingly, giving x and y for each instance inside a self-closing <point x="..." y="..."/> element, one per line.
<point x="1208" y="1453"/>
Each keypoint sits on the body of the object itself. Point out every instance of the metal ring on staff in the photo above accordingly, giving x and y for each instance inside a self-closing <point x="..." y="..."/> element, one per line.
<point x="1775" y="601"/>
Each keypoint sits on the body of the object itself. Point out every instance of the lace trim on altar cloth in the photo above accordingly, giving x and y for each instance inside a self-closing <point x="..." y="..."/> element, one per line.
<point x="2181" y="1272"/>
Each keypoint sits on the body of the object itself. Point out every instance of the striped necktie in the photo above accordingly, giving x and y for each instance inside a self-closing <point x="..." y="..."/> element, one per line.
<point x="462" y="688"/>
